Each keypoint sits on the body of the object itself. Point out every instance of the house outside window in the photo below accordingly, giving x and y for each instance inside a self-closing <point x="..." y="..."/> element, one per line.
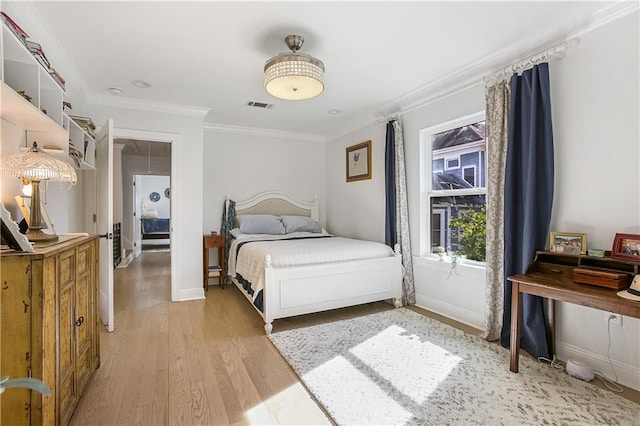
<point x="454" y="190"/>
<point x="469" y="175"/>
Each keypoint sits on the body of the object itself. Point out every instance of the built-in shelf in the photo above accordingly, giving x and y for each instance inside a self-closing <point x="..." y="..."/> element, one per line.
<point x="41" y="115"/>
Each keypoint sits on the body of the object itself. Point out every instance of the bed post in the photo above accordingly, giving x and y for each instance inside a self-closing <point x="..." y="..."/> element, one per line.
<point x="397" y="302"/>
<point x="268" y="269"/>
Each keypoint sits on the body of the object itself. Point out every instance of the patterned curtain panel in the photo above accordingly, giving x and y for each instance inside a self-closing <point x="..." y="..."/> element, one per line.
<point x="528" y="198"/>
<point x="397" y="219"/>
<point x="497" y="120"/>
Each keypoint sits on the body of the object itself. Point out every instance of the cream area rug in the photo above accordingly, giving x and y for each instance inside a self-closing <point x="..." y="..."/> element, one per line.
<point x="400" y="367"/>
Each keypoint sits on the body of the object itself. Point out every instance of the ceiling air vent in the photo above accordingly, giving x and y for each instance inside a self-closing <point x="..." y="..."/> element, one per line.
<point x="259" y="104"/>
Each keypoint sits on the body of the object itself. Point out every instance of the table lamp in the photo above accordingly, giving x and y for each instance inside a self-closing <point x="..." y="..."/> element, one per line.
<point x="36" y="165"/>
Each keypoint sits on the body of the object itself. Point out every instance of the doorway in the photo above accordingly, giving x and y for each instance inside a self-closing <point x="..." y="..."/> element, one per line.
<point x="146" y="153"/>
<point x="151" y="204"/>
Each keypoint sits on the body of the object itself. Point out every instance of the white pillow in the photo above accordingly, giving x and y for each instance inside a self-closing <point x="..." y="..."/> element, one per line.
<point x="300" y="224"/>
<point x="260" y="224"/>
<point x="150" y="214"/>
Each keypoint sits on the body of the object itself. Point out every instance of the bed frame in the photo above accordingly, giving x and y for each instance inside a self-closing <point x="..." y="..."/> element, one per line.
<point x="286" y="290"/>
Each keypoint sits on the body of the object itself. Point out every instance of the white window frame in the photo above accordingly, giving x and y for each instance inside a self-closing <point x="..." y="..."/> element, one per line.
<point x="443" y="219"/>
<point x="426" y="170"/>
<point x="446" y="163"/>
<point x="475" y="175"/>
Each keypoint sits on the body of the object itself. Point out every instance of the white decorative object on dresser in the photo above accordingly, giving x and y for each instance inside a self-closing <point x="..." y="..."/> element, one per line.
<point x="314" y="282"/>
<point x="33" y="100"/>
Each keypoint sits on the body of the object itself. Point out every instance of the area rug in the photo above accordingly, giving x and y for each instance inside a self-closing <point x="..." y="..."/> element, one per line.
<point x="400" y="367"/>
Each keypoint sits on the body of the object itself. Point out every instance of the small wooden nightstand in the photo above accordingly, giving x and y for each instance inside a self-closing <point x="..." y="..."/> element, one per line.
<point x="208" y="242"/>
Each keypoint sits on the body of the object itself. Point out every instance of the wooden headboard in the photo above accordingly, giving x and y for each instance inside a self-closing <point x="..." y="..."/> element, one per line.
<point x="277" y="203"/>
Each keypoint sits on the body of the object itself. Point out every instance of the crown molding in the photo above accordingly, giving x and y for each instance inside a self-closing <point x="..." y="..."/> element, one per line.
<point x="472" y="74"/>
<point x="254" y="131"/>
<point x="145" y="105"/>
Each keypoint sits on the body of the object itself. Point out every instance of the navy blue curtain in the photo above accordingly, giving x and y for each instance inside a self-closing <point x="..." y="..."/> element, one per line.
<point x="390" y="231"/>
<point x="228" y="220"/>
<point x="528" y="198"/>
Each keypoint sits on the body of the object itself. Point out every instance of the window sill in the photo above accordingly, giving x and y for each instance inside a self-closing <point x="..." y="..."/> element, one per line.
<point x="432" y="260"/>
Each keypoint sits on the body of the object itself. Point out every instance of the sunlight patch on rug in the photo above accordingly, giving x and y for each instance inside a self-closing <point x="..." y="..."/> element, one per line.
<point x="354" y="382"/>
<point x="421" y="371"/>
<point x="400" y="367"/>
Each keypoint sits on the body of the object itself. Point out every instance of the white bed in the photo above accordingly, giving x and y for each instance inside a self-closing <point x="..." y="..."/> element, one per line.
<point x="295" y="290"/>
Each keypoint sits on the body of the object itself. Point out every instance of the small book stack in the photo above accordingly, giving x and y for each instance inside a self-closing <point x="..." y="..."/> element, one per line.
<point x="15" y="28"/>
<point x="33" y="47"/>
<point x="75" y="154"/>
<point x="57" y="78"/>
<point x="38" y="53"/>
<point x="214" y="271"/>
<point x="85" y="123"/>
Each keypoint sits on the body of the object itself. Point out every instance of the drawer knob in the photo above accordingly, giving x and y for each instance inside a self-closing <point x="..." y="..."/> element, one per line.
<point x="79" y="321"/>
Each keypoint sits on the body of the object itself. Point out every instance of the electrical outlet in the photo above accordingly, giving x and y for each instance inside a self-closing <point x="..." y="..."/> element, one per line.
<point x="614" y="318"/>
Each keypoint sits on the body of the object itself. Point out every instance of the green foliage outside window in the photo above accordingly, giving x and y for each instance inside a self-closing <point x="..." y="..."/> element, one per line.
<point x="473" y="233"/>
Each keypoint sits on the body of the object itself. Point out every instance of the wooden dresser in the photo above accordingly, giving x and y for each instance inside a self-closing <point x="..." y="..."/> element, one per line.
<point x="49" y="329"/>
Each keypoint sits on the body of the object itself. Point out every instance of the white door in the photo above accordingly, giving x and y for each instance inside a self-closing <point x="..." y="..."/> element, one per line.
<point x="137" y="215"/>
<point x="104" y="190"/>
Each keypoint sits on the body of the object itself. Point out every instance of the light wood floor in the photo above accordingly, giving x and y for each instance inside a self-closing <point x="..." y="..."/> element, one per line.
<point x="201" y="362"/>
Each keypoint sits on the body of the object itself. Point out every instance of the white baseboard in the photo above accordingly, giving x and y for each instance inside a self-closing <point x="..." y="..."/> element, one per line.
<point x="628" y="375"/>
<point x="450" y="311"/>
<point x="190" y="294"/>
<point x="126" y="260"/>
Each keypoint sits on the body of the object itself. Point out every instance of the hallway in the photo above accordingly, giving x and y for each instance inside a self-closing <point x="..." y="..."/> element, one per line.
<point x="220" y="368"/>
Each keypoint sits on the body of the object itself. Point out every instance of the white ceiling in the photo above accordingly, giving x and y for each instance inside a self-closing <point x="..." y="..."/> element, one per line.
<point x="380" y="57"/>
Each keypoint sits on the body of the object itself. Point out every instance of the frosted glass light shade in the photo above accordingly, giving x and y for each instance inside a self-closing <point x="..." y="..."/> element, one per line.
<point x="294" y="76"/>
<point x="36" y="164"/>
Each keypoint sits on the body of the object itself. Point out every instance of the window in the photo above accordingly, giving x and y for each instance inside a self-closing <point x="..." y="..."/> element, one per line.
<point x="469" y="175"/>
<point x="453" y="206"/>
<point x="453" y="163"/>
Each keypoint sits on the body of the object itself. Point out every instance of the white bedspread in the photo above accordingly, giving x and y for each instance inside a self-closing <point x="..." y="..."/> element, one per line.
<point x="307" y="251"/>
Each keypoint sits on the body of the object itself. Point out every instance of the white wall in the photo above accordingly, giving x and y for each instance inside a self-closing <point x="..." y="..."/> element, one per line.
<point x="240" y="166"/>
<point x="597" y="150"/>
<point x="149" y="184"/>
<point x="137" y="165"/>
<point x="356" y="209"/>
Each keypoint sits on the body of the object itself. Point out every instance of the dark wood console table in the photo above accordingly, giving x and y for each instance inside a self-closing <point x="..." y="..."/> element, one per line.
<point x="551" y="276"/>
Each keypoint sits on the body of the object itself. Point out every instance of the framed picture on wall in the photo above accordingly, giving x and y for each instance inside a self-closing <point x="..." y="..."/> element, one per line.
<point x="359" y="161"/>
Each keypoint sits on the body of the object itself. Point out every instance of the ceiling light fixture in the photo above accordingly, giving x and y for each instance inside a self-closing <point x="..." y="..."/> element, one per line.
<point x="293" y="75"/>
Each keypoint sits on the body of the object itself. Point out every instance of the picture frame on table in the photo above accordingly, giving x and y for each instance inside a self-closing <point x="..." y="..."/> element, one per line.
<point x="568" y="242"/>
<point x="11" y="233"/>
<point x="358" y="159"/>
<point x="626" y="246"/>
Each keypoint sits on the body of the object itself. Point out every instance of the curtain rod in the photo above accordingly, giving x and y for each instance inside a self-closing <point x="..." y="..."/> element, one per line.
<point x="386" y="118"/>
<point x="557" y="51"/>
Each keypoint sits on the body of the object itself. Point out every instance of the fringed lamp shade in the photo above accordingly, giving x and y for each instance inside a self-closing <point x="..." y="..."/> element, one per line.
<point x="36" y="165"/>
